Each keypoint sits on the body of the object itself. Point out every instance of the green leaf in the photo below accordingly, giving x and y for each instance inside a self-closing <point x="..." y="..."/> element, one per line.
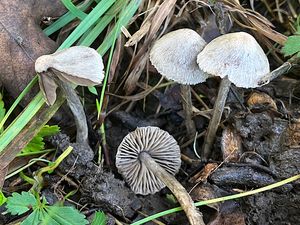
<point x="93" y="90"/>
<point x="99" y="218"/>
<point x="2" y="198"/>
<point x="34" y="218"/>
<point x="292" y="45"/>
<point x="64" y="215"/>
<point x="37" y="143"/>
<point x="18" y="204"/>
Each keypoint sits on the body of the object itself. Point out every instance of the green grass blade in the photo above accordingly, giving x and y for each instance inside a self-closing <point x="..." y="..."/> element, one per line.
<point x="93" y="16"/>
<point x="65" y="19"/>
<point x="124" y="19"/>
<point x="73" y="9"/>
<point x="102" y="23"/>
<point x="17" y="101"/>
<point x="19" y="123"/>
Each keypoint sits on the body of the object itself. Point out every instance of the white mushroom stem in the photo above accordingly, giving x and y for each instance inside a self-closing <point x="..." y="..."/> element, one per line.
<point x="187" y="108"/>
<point x="77" y="110"/>
<point x="216" y="117"/>
<point x="184" y="199"/>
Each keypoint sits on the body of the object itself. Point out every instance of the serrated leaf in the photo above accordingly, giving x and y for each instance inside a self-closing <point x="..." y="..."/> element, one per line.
<point x="292" y="45"/>
<point x="99" y="218"/>
<point x="2" y="198"/>
<point x="64" y="215"/>
<point x="18" y="204"/>
<point x="33" y="219"/>
<point x="93" y="90"/>
<point x="37" y="143"/>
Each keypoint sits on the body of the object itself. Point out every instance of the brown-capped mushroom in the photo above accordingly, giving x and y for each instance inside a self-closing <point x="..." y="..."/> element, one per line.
<point x="76" y="65"/>
<point x="236" y="58"/>
<point x="148" y="158"/>
<point x="174" y="56"/>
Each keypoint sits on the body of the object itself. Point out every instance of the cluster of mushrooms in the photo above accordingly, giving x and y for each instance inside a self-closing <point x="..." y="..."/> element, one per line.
<point x="148" y="158"/>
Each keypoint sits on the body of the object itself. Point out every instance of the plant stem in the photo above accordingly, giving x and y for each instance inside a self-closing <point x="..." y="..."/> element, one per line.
<point x="216" y="117"/>
<point x="187" y="204"/>
<point x="187" y="108"/>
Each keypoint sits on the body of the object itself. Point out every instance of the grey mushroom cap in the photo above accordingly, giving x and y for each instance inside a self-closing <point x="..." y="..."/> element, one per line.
<point x="160" y="145"/>
<point x="78" y="64"/>
<point x="174" y="56"/>
<point x="237" y="56"/>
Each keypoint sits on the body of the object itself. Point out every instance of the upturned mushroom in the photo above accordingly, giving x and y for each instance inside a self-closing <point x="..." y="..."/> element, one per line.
<point x="174" y="56"/>
<point x="77" y="65"/>
<point x="237" y="58"/>
<point x="148" y="158"/>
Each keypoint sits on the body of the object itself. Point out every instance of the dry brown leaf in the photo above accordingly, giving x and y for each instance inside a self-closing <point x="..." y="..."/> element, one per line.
<point x="204" y="173"/>
<point x="257" y="99"/>
<point x="23" y="41"/>
<point x="139" y="59"/>
<point x="231" y="145"/>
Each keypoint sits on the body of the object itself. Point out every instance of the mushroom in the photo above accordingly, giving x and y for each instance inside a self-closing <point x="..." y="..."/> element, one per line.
<point x="236" y="58"/>
<point x="148" y="158"/>
<point x="76" y="65"/>
<point x="174" y="56"/>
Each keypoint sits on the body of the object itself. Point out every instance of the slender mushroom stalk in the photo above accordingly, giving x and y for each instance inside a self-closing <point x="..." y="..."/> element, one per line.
<point x="236" y="58"/>
<point x="175" y="57"/>
<point x="187" y="204"/>
<point x="216" y="117"/>
<point x="77" y="110"/>
<point x="148" y="158"/>
<point x="77" y="65"/>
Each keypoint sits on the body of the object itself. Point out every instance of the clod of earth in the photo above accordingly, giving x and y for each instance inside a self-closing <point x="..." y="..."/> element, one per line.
<point x="237" y="58"/>
<point x="175" y="57"/>
<point x="23" y="41"/>
<point x="148" y="158"/>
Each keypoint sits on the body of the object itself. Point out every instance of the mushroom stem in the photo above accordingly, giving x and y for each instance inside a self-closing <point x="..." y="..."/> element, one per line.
<point x="77" y="110"/>
<point x="216" y="117"/>
<point x="184" y="199"/>
<point x="187" y="108"/>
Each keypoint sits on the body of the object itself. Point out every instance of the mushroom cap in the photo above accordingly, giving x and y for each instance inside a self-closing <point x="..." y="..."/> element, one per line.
<point x="79" y="65"/>
<point x="160" y="145"/>
<point x="237" y="56"/>
<point x="174" y="56"/>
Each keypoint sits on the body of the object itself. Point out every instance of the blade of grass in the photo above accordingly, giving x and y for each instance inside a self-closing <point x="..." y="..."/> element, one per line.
<point x="17" y="101"/>
<point x="73" y="9"/>
<point x="124" y="19"/>
<point x="65" y="19"/>
<point x="102" y="23"/>
<point x="92" y="17"/>
<point x="226" y="198"/>
<point x="14" y="128"/>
